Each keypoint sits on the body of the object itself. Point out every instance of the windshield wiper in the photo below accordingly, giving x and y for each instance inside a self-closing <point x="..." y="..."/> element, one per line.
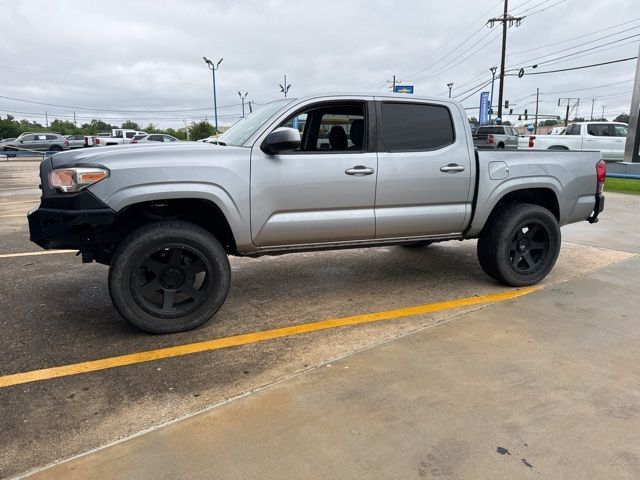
<point x="219" y="143"/>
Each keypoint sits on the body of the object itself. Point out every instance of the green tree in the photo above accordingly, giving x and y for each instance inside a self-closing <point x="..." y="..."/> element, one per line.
<point x="181" y="134"/>
<point x="130" y="125"/>
<point x="96" y="126"/>
<point x="623" y="117"/>
<point x="548" y="123"/>
<point x="201" y="130"/>
<point x="64" y="127"/>
<point x="473" y="121"/>
<point x="151" y="128"/>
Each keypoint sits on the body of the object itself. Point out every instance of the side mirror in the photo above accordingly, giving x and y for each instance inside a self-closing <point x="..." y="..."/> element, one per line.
<point x="283" y="139"/>
<point x="21" y="141"/>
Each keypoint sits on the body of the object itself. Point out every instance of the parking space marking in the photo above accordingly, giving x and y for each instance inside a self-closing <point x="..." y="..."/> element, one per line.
<point x="22" y="201"/>
<point x="15" y="215"/>
<point x="254" y="337"/>
<point x="28" y="254"/>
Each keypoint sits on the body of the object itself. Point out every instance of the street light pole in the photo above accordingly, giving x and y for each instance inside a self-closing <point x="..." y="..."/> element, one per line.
<point x="242" y="98"/>
<point x="493" y="79"/>
<point x="213" y="69"/>
<point x="450" y="85"/>
<point x="285" y="88"/>
<point x="603" y="112"/>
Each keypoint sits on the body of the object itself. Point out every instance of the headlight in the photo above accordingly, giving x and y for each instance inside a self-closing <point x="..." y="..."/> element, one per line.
<point x="74" y="179"/>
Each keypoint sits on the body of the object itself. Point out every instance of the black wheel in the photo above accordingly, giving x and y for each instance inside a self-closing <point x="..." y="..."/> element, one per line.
<point x="10" y="152"/>
<point x="169" y="277"/>
<point x="418" y="244"/>
<point x="501" y="146"/>
<point x="55" y="148"/>
<point x="519" y="245"/>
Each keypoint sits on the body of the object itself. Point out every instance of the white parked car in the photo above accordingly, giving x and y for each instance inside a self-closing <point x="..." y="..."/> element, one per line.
<point x="117" y="136"/>
<point x="606" y="137"/>
<point x="210" y="139"/>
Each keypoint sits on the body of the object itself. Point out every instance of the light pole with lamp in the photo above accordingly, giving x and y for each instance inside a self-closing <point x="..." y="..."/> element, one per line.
<point x="285" y="88"/>
<point x="493" y="79"/>
<point x="213" y="69"/>
<point x="450" y="85"/>
<point x="242" y="98"/>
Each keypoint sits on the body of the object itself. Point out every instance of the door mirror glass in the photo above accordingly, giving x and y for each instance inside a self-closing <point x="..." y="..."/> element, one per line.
<point x="282" y="139"/>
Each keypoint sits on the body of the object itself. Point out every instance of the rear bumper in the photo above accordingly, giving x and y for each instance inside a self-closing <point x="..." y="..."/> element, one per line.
<point x="597" y="209"/>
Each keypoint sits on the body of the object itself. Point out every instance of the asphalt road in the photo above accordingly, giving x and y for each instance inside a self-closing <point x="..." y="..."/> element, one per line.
<point x="56" y="311"/>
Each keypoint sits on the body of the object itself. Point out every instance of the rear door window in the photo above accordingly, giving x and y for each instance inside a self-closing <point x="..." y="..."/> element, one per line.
<point x="409" y="127"/>
<point x="620" y="130"/>
<point x="598" y="129"/>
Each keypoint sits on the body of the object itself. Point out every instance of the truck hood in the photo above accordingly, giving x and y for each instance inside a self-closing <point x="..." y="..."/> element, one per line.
<point x="144" y="153"/>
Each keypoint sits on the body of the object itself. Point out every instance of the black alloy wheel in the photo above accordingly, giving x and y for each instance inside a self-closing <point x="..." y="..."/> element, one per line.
<point x="172" y="281"/>
<point x="529" y="247"/>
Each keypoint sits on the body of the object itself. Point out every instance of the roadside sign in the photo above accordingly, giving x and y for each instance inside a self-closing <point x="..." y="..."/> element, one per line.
<point x="484" y="108"/>
<point x="403" y="89"/>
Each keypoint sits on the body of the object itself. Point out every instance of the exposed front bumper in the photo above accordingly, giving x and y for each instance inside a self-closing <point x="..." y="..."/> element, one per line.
<point x="599" y="207"/>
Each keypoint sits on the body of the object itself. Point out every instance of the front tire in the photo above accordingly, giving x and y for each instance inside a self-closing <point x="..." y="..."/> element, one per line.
<point x="169" y="277"/>
<point x="520" y="244"/>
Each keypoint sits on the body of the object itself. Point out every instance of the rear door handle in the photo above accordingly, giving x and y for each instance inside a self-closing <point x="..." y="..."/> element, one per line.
<point x="452" y="168"/>
<point x="359" y="171"/>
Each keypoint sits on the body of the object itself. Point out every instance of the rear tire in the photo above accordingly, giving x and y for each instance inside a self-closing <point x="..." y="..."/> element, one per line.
<point x="169" y="277"/>
<point x="520" y="244"/>
<point x="55" y="148"/>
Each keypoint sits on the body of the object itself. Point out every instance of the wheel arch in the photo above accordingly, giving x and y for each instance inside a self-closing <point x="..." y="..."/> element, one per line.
<point x="200" y="211"/>
<point x="543" y="194"/>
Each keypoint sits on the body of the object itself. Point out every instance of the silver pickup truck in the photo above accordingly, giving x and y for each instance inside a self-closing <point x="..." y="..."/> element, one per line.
<point x="313" y="173"/>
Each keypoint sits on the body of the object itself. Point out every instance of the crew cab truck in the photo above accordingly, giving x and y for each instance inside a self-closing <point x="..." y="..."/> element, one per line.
<point x="118" y="136"/>
<point x="396" y="171"/>
<point x="606" y="137"/>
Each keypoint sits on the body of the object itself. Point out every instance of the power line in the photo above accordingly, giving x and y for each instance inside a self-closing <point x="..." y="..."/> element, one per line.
<point x="579" y="68"/>
<point x="546" y="8"/>
<point x="578" y="37"/>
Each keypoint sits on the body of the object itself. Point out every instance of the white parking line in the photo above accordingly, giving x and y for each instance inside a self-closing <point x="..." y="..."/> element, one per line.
<point x="29" y="254"/>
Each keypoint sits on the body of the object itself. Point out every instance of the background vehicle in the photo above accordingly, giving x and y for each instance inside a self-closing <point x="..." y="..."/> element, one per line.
<point x="154" y="137"/>
<point x="606" y="137"/>
<point x="117" y="136"/>
<point x="496" y="137"/>
<point x="45" y="142"/>
<point x="407" y="173"/>
<point x="76" y="141"/>
<point x="209" y="139"/>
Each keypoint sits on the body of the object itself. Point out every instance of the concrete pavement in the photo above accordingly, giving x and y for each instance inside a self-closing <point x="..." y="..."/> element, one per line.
<point x="547" y="385"/>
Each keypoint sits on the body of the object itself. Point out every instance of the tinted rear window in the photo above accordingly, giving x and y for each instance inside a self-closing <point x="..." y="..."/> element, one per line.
<point x="413" y="127"/>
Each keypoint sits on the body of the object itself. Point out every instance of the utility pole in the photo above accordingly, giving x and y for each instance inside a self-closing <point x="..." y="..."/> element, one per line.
<point x="535" y="122"/>
<point x="493" y="79"/>
<point x="285" y="88"/>
<point x="393" y="83"/>
<point x="602" y="113"/>
<point x="632" y="146"/>
<point x="46" y="118"/>
<point x="450" y="85"/>
<point x="75" y="124"/>
<point x="504" y="19"/>
<point x="568" y="100"/>
<point x="213" y="69"/>
<point x="242" y="98"/>
<point x="593" y="102"/>
<point x="186" y="127"/>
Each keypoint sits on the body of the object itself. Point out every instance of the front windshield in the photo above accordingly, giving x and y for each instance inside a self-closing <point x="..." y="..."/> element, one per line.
<point x="242" y="130"/>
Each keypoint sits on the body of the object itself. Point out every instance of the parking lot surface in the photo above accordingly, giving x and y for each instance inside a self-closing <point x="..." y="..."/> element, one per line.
<point x="56" y="311"/>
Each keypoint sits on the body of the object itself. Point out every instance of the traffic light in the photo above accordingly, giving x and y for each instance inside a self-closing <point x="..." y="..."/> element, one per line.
<point x="506" y="104"/>
<point x="519" y="117"/>
<point x="526" y="116"/>
<point x="511" y="111"/>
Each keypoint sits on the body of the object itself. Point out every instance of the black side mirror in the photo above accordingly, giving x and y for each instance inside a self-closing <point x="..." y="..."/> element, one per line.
<point x="283" y="139"/>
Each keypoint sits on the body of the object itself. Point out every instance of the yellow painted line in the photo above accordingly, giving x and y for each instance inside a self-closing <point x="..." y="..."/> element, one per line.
<point x="247" y="338"/>
<point x="29" y="254"/>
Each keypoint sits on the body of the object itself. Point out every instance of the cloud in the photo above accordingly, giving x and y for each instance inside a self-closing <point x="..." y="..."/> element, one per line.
<point x="136" y="56"/>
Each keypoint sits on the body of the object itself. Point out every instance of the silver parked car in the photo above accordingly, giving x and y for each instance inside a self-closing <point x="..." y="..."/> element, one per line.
<point x="154" y="137"/>
<point x="496" y="137"/>
<point x="43" y="142"/>
<point x="76" y="141"/>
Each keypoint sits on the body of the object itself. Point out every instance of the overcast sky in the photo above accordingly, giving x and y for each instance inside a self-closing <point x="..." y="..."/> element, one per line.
<point x="140" y="58"/>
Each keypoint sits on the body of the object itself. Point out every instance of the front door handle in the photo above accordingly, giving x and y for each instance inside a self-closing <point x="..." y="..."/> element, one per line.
<point x="359" y="171"/>
<point x="452" y="168"/>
